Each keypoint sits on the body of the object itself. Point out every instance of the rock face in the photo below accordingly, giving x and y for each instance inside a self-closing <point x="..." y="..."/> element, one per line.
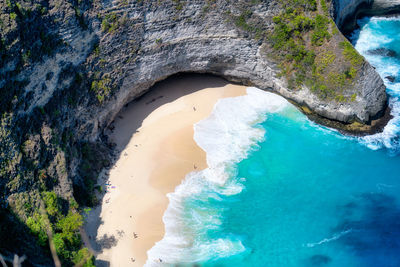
<point x="346" y="12"/>
<point x="370" y="100"/>
<point x="384" y="6"/>
<point x="198" y="41"/>
<point x="147" y="42"/>
<point x="55" y="104"/>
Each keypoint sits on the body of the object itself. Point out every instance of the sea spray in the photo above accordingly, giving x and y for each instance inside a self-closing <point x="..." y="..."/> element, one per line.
<point x="227" y="136"/>
<point x="377" y="33"/>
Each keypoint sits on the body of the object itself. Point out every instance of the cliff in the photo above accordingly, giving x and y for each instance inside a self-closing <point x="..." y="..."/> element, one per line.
<point x="68" y="67"/>
<point x="346" y="12"/>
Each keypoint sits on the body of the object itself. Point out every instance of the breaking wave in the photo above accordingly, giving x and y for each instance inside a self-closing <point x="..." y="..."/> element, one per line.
<point x="227" y="136"/>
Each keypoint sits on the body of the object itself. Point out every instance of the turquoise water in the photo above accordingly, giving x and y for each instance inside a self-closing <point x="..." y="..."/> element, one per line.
<point x="283" y="191"/>
<point x="312" y="197"/>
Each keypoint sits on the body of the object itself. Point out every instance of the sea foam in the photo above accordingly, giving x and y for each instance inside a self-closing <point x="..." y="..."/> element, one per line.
<point x="381" y="32"/>
<point x="330" y="239"/>
<point x="227" y="136"/>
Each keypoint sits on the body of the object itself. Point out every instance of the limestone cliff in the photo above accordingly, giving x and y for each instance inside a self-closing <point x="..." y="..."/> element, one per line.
<point x="345" y="12"/>
<point x="68" y="67"/>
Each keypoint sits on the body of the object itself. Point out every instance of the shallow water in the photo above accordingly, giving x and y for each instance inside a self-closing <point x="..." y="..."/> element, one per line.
<point x="282" y="191"/>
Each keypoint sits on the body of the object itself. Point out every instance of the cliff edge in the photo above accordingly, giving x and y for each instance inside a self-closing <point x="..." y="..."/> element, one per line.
<point x="68" y="67"/>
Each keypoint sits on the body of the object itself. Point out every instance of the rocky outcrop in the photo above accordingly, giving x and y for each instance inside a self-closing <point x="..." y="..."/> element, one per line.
<point x="382" y="51"/>
<point x="380" y="7"/>
<point x="107" y="53"/>
<point x="147" y="42"/>
<point x="198" y="41"/>
<point x="346" y="12"/>
<point x="364" y="110"/>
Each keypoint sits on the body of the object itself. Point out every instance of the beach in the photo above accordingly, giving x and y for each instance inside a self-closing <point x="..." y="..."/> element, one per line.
<point x="154" y="138"/>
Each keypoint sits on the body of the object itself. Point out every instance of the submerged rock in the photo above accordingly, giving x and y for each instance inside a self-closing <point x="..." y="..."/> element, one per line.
<point x="319" y="260"/>
<point x="390" y="78"/>
<point x="382" y="51"/>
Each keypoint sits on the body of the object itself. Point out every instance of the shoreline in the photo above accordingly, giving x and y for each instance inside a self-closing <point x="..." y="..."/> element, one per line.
<point x="154" y="157"/>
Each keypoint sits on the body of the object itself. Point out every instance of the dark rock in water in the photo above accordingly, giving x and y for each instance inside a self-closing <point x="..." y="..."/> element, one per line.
<point x="319" y="260"/>
<point x="390" y="78"/>
<point x="386" y="52"/>
<point x="375" y="229"/>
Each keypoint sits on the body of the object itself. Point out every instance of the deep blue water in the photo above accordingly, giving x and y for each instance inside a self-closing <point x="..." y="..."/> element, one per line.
<point x="303" y="195"/>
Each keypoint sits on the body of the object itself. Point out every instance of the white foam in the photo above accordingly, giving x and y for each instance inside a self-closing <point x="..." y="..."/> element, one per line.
<point x="327" y="240"/>
<point x="228" y="133"/>
<point x="371" y="36"/>
<point x="227" y="136"/>
<point x="389" y="137"/>
<point x="389" y="18"/>
<point x="364" y="37"/>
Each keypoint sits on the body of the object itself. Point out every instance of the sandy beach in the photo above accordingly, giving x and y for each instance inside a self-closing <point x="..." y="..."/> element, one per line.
<point x="154" y="136"/>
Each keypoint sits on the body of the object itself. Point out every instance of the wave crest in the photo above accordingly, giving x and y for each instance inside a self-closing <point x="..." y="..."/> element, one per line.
<point x="227" y="136"/>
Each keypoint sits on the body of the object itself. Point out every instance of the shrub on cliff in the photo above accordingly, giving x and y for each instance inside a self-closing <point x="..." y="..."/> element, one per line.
<point x="301" y="44"/>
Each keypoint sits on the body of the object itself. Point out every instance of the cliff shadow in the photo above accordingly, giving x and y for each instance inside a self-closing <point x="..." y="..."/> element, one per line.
<point x="126" y="123"/>
<point x="161" y="93"/>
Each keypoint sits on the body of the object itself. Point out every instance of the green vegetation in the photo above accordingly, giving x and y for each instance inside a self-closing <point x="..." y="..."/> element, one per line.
<point x="351" y="54"/>
<point x="158" y="41"/>
<point x="288" y="41"/>
<point x="96" y="50"/>
<point x="350" y="73"/>
<point x="80" y="18"/>
<point x="110" y="22"/>
<point x="36" y="223"/>
<point x="324" y="7"/>
<point x="323" y="61"/>
<point x="101" y="88"/>
<point x="51" y="201"/>
<point x="243" y="21"/>
<point x="320" y="32"/>
<point x="80" y="258"/>
<point x="178" y="4"/>
<point x="42" y="213"/>
<point x="63" y="225"/>
<point x="301" y="44"/>
<point x="26" y="18"/>
<point x="9" y="150"/>
<point x="36" y="149"/>
<point x="13" y="15"/>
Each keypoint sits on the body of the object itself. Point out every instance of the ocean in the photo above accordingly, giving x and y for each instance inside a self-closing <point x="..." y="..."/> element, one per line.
<point x="281" y="190"/>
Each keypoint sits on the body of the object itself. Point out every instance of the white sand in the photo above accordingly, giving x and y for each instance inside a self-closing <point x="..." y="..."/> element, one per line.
<point x="157" y="151"/>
